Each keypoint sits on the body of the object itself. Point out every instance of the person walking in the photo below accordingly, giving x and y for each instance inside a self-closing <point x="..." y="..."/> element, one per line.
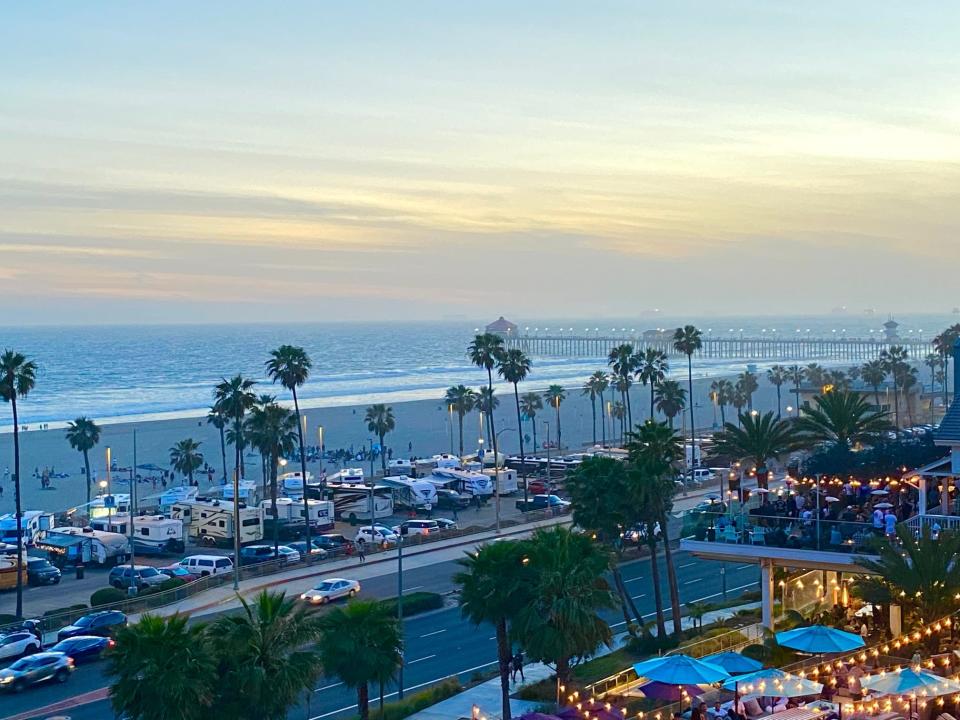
<point x="361" y="550"/>
<point x="517" y="666"/>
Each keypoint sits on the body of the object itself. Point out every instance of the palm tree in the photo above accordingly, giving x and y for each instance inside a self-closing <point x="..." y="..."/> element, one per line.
<point x="530" y="403"/>
<point x="688" y="340"/>
<point x="561" y="620"/>
<point x="841" y="419"/>
<point x="777" y="376"/>
<point x="290" y="366"/>
<point x="514" y="367"/>
<point x="272" y="430"/>
<point x="264" y="667"/>
<point x="873" y="374"/>
<point x="838" y="379"/>
<point x="622" y="362"/>
<point x="360" y="644"/>
<point x="263" y="400"/>
<point x="759" y="438"/>
<point x="555" y="395"/>
<point x="485" y="352"/>
<point x="162" y="669"/>
<point x="654" y="451"/>
<point x="908" y="379"/>
<point x="592" y="390"/>
<point x="815" y="374"/>
<point x="722" y="391"/>
<point x="186" y="458"/>
<point x="738" y="400"/>
<point x="217" y="418"/>
<point x="487" y="402"/>
<point x="894" y="360"/>
<point x="671" y="399"/>
<point x="619" y="413"/>
<point x="651" y="368"/>
<point x="932" y="361"/>
<point x="17" y="378"/>
<point x="944" y="344"/>
<point x="462" y="400"/>
<point x="747" y="382"/>
<point x="622" y="385"/>
<point x="380" y="420"/>
<point x="796" y="375"/>
<point x="492" y="589"/>
<point x="83" y="434"/>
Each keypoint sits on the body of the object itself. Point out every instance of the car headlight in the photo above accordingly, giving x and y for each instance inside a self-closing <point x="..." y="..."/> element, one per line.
<point x="6" y="680"/>
<point x="304" y="597"/>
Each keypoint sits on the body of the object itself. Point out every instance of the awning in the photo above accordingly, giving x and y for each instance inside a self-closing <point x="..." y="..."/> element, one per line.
<point x="60" y="542"/>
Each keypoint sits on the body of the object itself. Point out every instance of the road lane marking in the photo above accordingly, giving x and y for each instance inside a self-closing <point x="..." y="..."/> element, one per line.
<point x="680" y="567"/>
<point x="688" y="582"/>
<point x="637" y="597"/>
<point x="744" y="567"/>
<point x="435" y="632"/>
<point x="667" y="610"/>
<point x="411" y="589"/>
<point x="327" y="687"/>
<point x="421" y="659"/>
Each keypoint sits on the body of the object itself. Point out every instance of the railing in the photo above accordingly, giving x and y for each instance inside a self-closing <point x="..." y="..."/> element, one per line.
<point x="933" y="522"/>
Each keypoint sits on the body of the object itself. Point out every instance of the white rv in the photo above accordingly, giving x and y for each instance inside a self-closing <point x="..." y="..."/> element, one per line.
<point x="72" y="545"/>
<point x="400" y="467"/>
<point x="506" y="480"/>
<point x="291" y="483"/>
<point x="181" y="493"/>
<point x="352" y="501"/>
<point x="425" y="466"/>
<point x="473" y="484"/>
<point x="32" y="523"/>
<point x="347" y="476"/>
<point x="412" y="493"/>
<point x="250" y="492"/>
<point x="152" y="534"/>
<point x="290" y="512"/>
<point x="105" y="505"/>
<point x="210" y="522"/>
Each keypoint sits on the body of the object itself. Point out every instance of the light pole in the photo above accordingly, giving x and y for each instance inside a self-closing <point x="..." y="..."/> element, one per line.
<point x="549" y="467"/>
<point x="450" y="424"/>
<point x="371" y="488"/>
<point x="133" y="509"/>
<point x="496" y="477"/>
<point x="400" y="609"/>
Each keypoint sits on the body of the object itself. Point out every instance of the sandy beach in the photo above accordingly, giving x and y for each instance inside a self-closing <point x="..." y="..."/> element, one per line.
<point x="422" y="429"/>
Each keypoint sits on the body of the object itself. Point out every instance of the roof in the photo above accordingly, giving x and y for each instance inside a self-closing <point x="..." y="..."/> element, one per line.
<point x="949" y="431"/>
<point x="502" y="325"/>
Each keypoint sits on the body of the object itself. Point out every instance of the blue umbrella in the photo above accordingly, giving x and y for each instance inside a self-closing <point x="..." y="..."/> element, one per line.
<point x="734" y="663"/>
<point x="908" y="680"/>
<point x="775" y="682"/>
<point x="819" y="639"/>
<point x="680" y="670"/>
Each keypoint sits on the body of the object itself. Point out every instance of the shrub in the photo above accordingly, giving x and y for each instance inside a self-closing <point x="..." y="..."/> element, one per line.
<point x="171" y="584"/>
<point x="418" y="701"/>
<point x="6" y="619"/>
<point x="65" y="610"/>
<point x="416" y="603"/>
<point x="107" y="596"/>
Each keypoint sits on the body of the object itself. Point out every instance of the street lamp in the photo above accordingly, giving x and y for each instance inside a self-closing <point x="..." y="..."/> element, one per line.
<point x="546" y="424"/>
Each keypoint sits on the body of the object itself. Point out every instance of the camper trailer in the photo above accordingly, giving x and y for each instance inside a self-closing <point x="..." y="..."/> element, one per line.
<point x="291" y="484"/>
<point x="466" y="483"/>
<point x="347" y="476"/>
<point x="412" y="494"/>
<point x="506" y="480"/>
<point x="179" y="494"/>
<point x="32" y="523"/>
<point x="210" y="522"/>
<point x="152" y="534"/>
<point x="73" y="545"/>
<point x="250" y="492"/>
<point x="106" y="505"/>
<point x="290" y="512"/>
<point x="352" y="501"/>
<point x="425" y="466"/>
<point x="400" y="467"/>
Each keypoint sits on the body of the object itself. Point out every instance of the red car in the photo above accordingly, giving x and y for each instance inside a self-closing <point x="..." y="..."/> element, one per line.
<point x="178" y="572"/>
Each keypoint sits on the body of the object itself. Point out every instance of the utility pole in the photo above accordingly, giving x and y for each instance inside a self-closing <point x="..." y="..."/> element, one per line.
<point x="133" y="510"/>
<point x="400" y="608"/>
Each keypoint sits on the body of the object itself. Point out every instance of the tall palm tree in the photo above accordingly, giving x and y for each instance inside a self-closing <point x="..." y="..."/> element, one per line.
<point x="722" y="391"/>
<point x="555" y="395"/>
<point x="932" y="361"/>
<point x="485" y="352"/>
<point x="894" y="359"/>
<point x="360" y="644"/>
<point x="688" y="340"/>
<point x="217" y="418"/>
<point x="272" y="430"/>
<point x="561" y="620"/>
<point x="943" y="344"/>
<point x="908" y="380"/>
<point x="796" y="374"/>
<point x="487" y="402"/>
<point x="83" y="434"/>
<point x="162" y="669"/>
<point x="290" y="366"/>
<point x="777" y="376"/>
<point x="619" y="413"/>
<point x="758" y="438"/>
<point x="186" y="458"/>
<point x="651" y="368"/>
<point x="234" y="397"/>
<point x="601" y="382"/>
<point x="18" y="375"/>
<point x="622" y="385"/>
<point x="815" y="373"/>
<point x="838" y="379"/>
<point x="739" y="401"/>
<point x="493" y="587"/>
<point x="622" y="362"/>
<point x="263" y="399"/>
<point x="591" y="389"/>
<point x="264" y="665"/>
<point x="514" y="367"/>
<point x="841" y="419"/>
<point x="874" y="373"/>
<point x="380" y="420"/>
<point x="462" y="399"/>
<point x="748" y="384"/>
<point x="671" y="398"/>
<point x="530" y="403"/>
<point x="654" y="451"/>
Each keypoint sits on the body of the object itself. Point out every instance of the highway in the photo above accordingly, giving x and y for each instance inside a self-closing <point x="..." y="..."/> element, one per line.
<point x="437" y="644"/>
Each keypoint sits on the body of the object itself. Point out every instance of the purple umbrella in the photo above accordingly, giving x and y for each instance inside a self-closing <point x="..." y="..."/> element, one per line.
<point x="538" y="716"/>
<point x="665" y="691"/>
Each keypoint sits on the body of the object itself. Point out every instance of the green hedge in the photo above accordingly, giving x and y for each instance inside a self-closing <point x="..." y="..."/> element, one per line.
<point x="416" y="702"/>
<point x="416" y="603"/>
<point x="107" y="596"/>
<point x="67" y="609"/>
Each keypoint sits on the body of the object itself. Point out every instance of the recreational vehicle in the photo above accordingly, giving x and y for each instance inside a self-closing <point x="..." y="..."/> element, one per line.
<point x="400" y="467"/>
<point x="291" y="483"/>
<point x="181" y="493"/>
<point x="105" y="505"/>
<point x="466" y="483"/>
<point x="411" y="493"/>
<point x="353" y="501"/>
<point x="506" y="480"/>
<point x="210" y="522"/>
<point x="73" y="545"/>
<point x="152" y="534"/>
<point x="290" y="512"/>
<point x="250" y="492"/>
<point x="347" y="476"/>
<point x="32" y="523"/>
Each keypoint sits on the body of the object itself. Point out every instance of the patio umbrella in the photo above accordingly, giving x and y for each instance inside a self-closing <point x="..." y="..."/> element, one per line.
<point x="538" y="716"/>
<point x="831" y="499"/>
<point x="598" y="711"/>
<point x="665" y="691"/>
<point x="883" y="505"/>
<point x="878" y="492"/>
<point x="734" y="662"/>
<point x="819" y="639"/>
<point x="774" y="682"/>
<point x="680" y="670"/>
<point x="908" y="680"/>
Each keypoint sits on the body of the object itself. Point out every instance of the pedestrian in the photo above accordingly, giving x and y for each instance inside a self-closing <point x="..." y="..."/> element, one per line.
<point x="517" y="666"/>
<point x="475" y="712"/>
<point x="361" y="551"/>
<point x="455" y="515"/>
<point x="864" y="631"/>
<point x="476" y="499"/>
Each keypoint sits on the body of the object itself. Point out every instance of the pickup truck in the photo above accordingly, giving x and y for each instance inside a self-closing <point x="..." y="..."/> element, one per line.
<point x="542" y="502"/>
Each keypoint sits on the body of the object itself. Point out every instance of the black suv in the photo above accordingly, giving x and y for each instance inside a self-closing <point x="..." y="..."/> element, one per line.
<point x="42" y="572"/>
<point x="103" y="623"/>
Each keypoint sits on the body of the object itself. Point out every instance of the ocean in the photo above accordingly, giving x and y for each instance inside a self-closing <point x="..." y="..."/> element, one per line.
<point x="121" y="373"/>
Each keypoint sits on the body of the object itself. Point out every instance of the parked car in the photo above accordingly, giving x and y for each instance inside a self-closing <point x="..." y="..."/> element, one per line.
<point x="84" y="647"/>
<point x="291" y="555"/>
<point x="542" y="502"/>
<point x="316" y="551"/>
<point x="178" y="572"/>
<point x="451" y="500"/>
<point x="253" y="554"/>
<point x="143" y="576"/>
<point x="42" y="572"/>
<point x="103" y="623"/>
<point x="204" y="565"/>
<point x="36" y="669"/>
<point x="638" y="533"/>
<point x="379" y="535"/>
<point x="331" y="589"/>
<point x="447" y="524"/>
<point x="333" y="544"/>
<point x="417" y="527"/>
<point x="17" y="644"/>
<point x="697" y="476"/>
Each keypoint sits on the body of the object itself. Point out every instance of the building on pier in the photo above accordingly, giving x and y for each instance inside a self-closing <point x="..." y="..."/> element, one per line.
<point x="502" y="326"/>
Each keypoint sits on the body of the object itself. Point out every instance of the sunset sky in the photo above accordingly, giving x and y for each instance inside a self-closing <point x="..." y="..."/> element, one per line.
<point x="185" y="161"/>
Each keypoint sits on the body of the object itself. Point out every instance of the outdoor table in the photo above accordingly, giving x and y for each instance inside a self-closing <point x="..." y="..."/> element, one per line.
<point x="803" y="713"/>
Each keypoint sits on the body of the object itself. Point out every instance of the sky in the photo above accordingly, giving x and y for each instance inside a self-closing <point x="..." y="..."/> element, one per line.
<point x="230" y="161"/>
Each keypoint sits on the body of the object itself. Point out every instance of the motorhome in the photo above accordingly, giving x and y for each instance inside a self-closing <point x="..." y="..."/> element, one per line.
<point x="152" y="534"/>
<point x="506" y="480"/>
<point x="32" y="523"/>
<point x="182" y="493"/>
<point x="291" y="483"/>
<point x="425" y="466"/>
<point x="400" y="467"/>
<point x="411" y="493"/>
<point x="352" y="501"/>
<point x="347" y="476"/>
<point x="106" y="505"/>
<point x="210" y="522"/>
<point x="290" y="512"/>
<point x="73" y="545"/>
<point x="464" y="482"/>
<point x="250" y="492"/>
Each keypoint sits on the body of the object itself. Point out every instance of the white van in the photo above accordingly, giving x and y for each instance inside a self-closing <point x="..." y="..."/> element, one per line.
<point x="203" y="565"/>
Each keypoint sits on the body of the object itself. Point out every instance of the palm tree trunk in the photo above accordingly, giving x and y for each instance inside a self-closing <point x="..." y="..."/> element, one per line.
<point x="460" y="419"/>
<point x="496" y="480"/>
<point x="876" y="396"/>
<point x="693" y="427"/>
<point x="603" y="422"/>
<point x="16" y="496"/>
<point x="503" y="658"/>
<point x="652" y="388"/>
<point x="383" y="456"/>
<point x="236" y="504"/>
<point x="655" y="579"/>
<point x="223" y="451"/>
<point x="363" y="701"/>
<point x="628" y="605"/>
<point x="629" y="409"/>
<point x="86" y="466"/>
<point x="563" y="670"/>
<point x="523" y="462"/>
<point x="896" y="400"/>
<point x="723" y="413"/>
<point x="273" y="505"/>
<point x="671" y="576"/>
<point x="593" y="416"/>
<point x="558" y="425"/>
<point x="303" y="472"/>
<point x="533" y="424"/>
<point x="778" y="403"/>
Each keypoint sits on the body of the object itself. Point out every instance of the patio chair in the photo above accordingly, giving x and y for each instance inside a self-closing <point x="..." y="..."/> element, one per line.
<point x="758" y="535"/>
<point x="730" y="534"/>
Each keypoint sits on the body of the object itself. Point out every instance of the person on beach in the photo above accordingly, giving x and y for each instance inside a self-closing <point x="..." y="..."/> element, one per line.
<point x="361" y="551"/>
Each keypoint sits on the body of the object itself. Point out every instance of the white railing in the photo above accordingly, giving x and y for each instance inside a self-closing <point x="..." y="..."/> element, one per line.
<point x="943" y="522"/>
